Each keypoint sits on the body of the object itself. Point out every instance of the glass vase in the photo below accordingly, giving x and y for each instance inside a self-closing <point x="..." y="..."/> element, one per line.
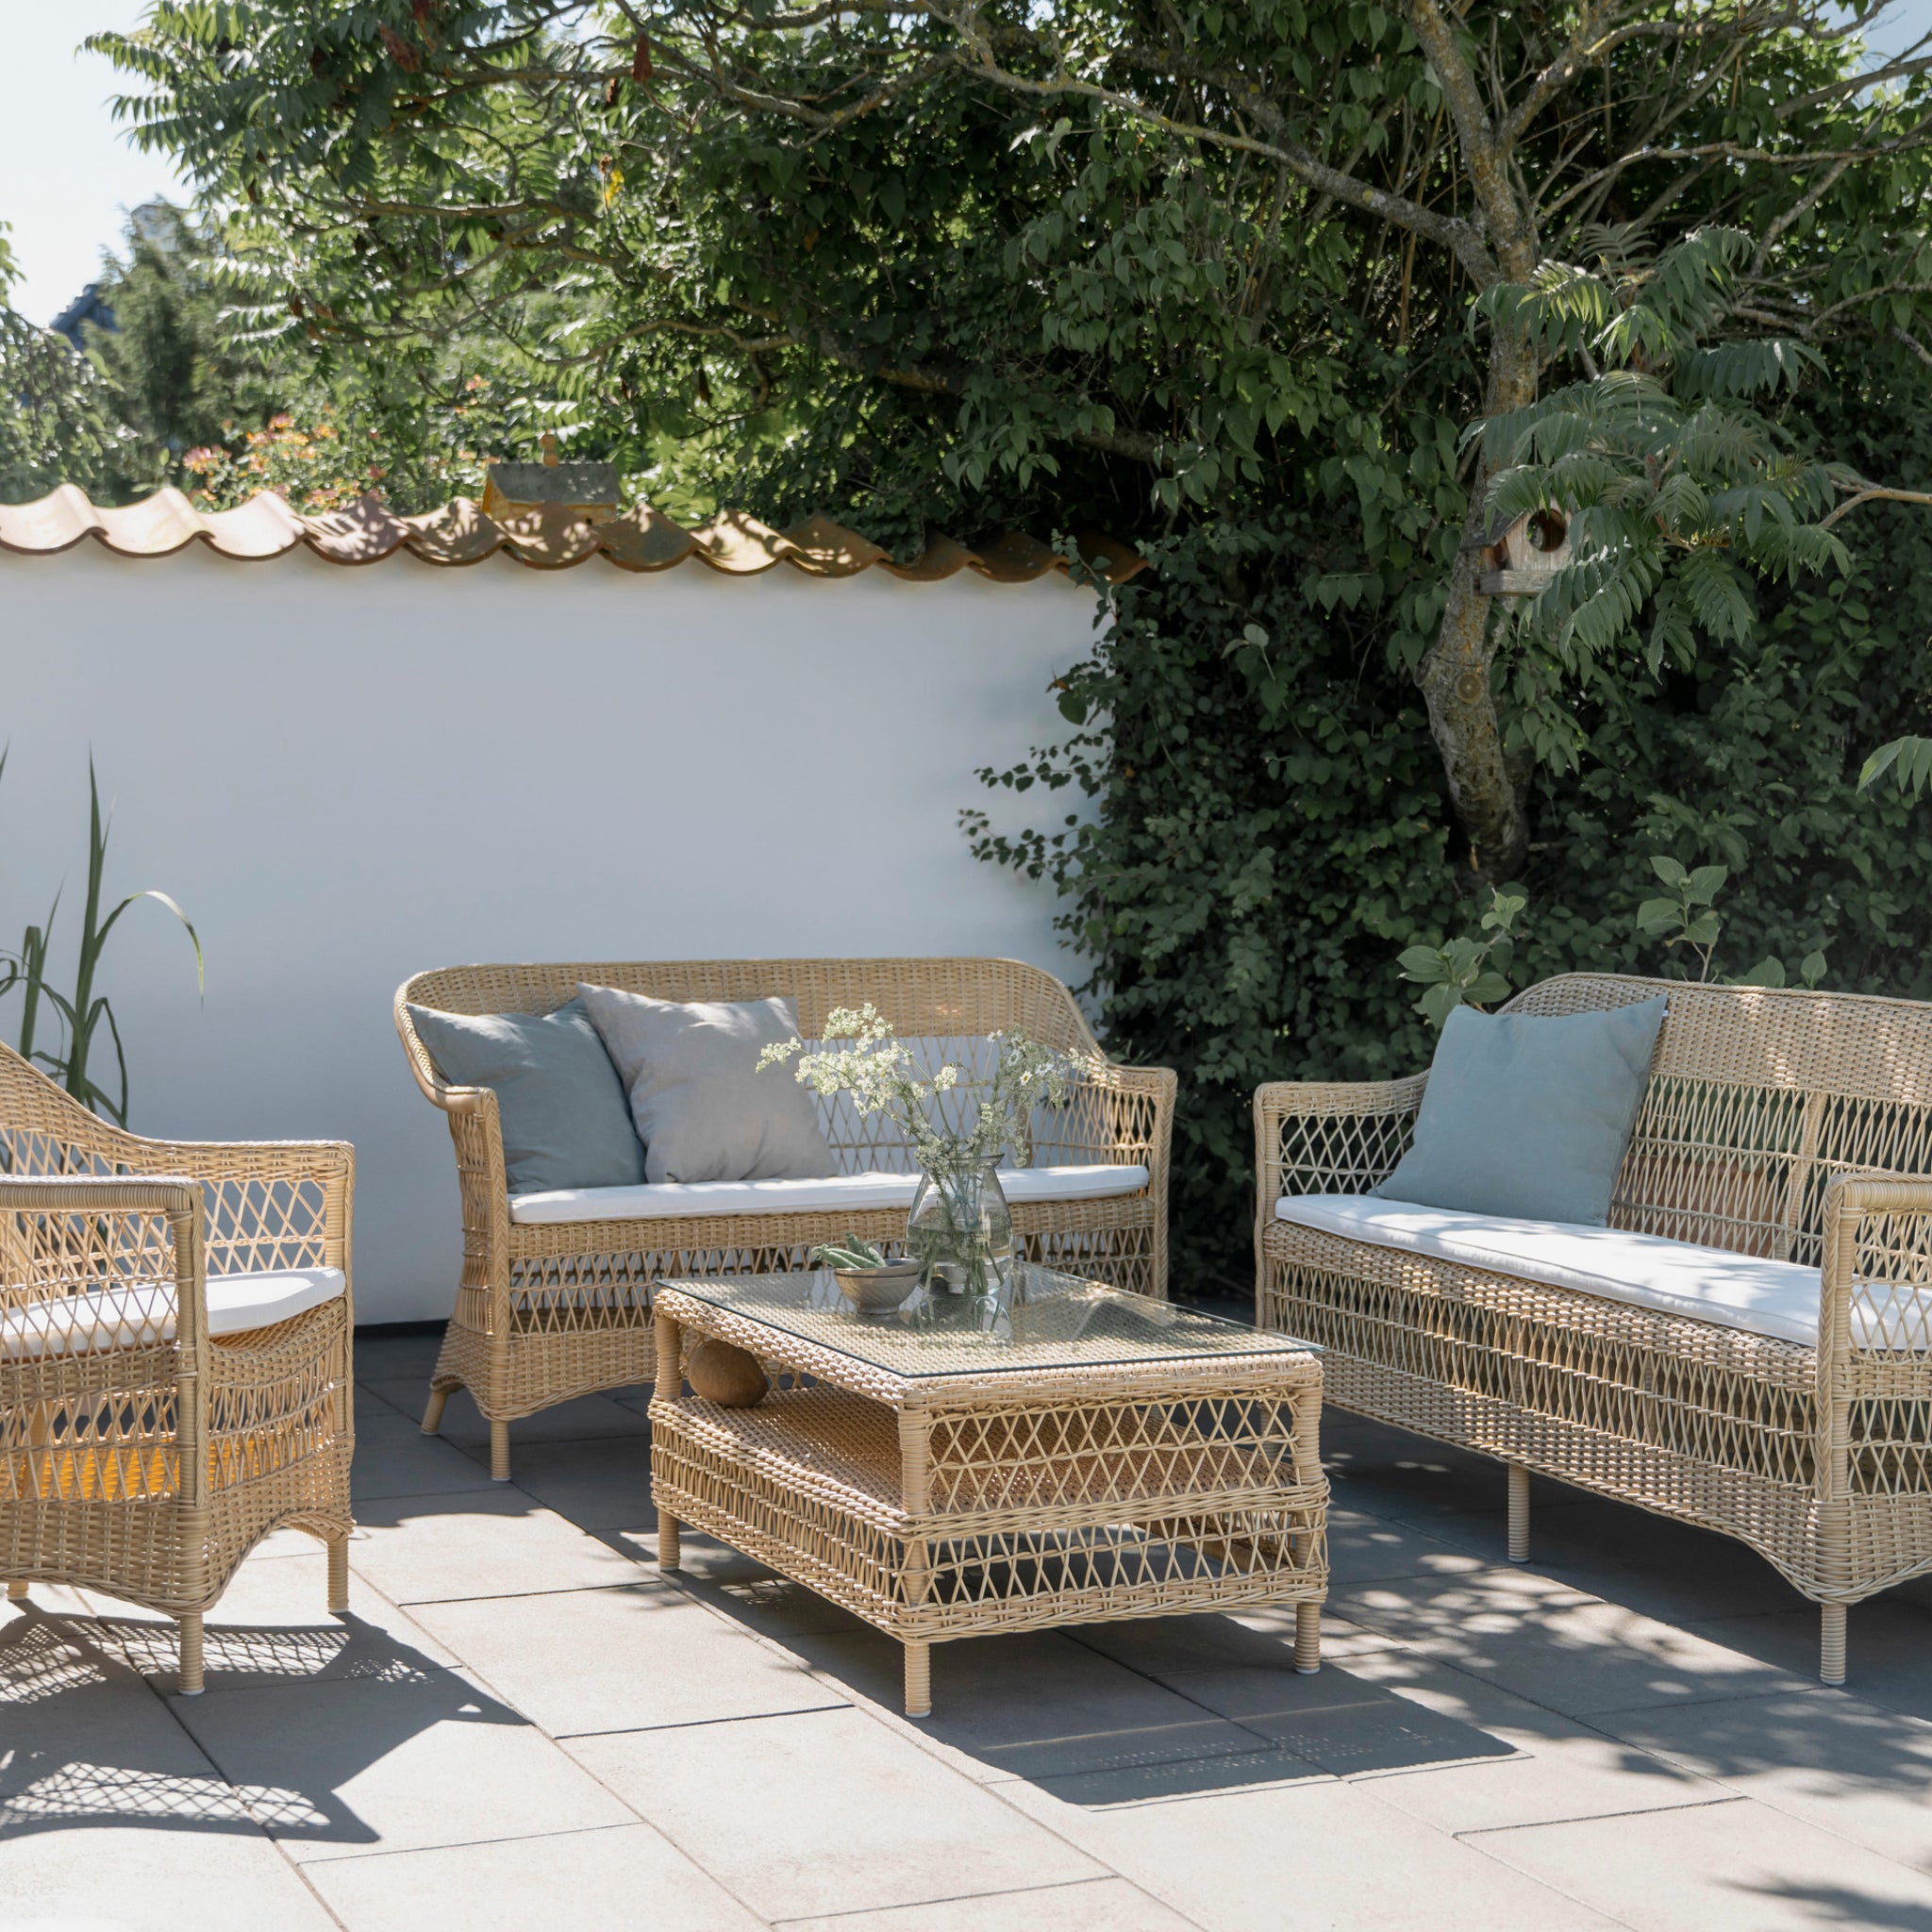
<point x="960" y="1231"/>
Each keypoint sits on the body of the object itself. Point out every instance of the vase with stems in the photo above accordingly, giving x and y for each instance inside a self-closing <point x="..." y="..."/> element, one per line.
<point x="960" y="1229"/>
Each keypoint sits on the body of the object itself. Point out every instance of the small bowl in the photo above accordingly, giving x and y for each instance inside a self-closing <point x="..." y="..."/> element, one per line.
<point x="874" y="1290"/>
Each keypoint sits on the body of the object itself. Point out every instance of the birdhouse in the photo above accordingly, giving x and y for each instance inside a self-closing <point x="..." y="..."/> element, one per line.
<point x="1521" y="557"/>
<point x="587" y="489"/>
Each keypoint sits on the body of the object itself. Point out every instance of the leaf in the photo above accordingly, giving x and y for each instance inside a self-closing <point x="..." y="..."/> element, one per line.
<point x="1908" y="760"/>
<point x="1669" y="871"/>
<point x="1424" y="964"/>
<point x="1812" y="968"/>
<point x="1767" y="972"/>
<point x="1658" y="915"/>
<point x="1704" y="883"/>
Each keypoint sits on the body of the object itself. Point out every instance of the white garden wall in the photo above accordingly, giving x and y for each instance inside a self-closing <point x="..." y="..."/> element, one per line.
<point x="346" y="774"/>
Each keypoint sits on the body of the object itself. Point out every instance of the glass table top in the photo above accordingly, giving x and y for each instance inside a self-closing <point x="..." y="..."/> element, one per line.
<point x="1044" y="1320"/>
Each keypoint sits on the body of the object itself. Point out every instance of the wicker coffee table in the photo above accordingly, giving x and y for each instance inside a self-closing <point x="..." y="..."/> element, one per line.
<point x="1068" y="1455"/>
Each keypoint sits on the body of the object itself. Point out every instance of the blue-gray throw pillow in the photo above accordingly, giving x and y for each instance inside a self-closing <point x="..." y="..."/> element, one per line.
<point x="566" y="1121"/>
<point x="1528" y="1117"/>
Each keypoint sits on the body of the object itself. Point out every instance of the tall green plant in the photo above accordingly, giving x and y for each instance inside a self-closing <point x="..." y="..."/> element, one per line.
<point x="82" y="1013"/>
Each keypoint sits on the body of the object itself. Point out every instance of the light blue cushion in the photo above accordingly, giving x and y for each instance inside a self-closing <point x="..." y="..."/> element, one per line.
<point x="1529" y="1117"/>
<point x="566" y="1123"/>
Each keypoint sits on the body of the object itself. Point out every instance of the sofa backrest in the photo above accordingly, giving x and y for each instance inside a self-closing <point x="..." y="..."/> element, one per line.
<point x="946" y="1008"/>
<point x="1757" y="1097"/>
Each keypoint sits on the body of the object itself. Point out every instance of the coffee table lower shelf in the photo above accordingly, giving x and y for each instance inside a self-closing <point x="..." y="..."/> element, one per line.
<point x="1053" y="1509"/>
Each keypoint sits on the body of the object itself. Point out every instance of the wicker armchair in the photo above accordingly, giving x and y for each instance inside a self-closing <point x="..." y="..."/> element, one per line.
<point x="141" y="1454"/>
<point x="550" y="1311"/>
<point x="1792" y="1127"/>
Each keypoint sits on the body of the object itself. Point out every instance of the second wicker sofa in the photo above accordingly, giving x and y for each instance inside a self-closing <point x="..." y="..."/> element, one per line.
<point x="550" y="1309"/>
<point x="1747" y="1346"/>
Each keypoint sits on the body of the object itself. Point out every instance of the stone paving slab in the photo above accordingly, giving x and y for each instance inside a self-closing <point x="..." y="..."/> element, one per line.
<point x="1317" y="1852"/>
<point x="1727" y="1867"/>
<point x="827" y="1812"/>
<point x="1608" y="1736"/>
<point x="636" y="1657"/>
<point x="616" y="1879"/>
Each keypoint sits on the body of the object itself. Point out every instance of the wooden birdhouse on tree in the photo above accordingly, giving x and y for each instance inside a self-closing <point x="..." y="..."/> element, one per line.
<point x="588" y="489"/>
<point x="1523" y="556"/>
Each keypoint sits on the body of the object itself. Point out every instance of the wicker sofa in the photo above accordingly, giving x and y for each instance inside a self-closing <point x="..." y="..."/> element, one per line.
<point x="1778" y="1390"/>
<point x="552" y="1307"/>
<point x="174" y="1354"/>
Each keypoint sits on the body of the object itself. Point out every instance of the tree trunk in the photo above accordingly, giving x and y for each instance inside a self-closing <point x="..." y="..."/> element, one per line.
<point x="1455" y="676"/>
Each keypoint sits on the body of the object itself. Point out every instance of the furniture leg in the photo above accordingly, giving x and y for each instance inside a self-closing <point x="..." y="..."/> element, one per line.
<point x="1308" y="1638"/>
<point x="432" y="1413"/>
<point x="16" y="1590"/>
<point x="919" y="1680"/>
<point x="499" y="1452"/>
<point x="190" y="1654"/>
<point x="667" y="1553"/>
<point x="1519" y="1513"/>
<point x="337" y="1576"/>
<point x="1831" y="1665"/>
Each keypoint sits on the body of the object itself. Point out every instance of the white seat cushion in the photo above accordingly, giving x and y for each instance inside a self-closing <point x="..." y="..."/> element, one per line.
<point x="143" y="1313"/>
<point x="832" y="1194"/>
<point x="1773" y="1298"/>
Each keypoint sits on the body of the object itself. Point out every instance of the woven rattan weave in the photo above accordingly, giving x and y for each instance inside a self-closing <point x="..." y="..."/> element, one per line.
<point x="1793" y="1126"/>
<point x="149" y="1469"/>
<point x="545" y="1313"/>
<point x="1084" y="1456"/>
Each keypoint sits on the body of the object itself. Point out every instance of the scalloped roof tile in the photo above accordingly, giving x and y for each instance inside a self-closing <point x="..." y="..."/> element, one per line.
<point x="549" y="536"/>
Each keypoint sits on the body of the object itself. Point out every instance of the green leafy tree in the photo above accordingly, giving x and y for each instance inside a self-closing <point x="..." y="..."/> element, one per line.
<point x="60" y="421"/>
<point x="1204" y="277"/>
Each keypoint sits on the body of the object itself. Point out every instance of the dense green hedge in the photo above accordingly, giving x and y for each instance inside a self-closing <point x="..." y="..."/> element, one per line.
<point x="1269" y="826"/>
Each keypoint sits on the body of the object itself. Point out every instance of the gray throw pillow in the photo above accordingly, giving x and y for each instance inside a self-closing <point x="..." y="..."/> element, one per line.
<point x="1528" y="1117"/>
<point x="561" y="1105"/>
<point x="701" y="1106"/>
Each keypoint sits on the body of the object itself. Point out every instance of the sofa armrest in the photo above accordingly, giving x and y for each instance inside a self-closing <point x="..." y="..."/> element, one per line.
<point x="1322" y="1136"/>
<point x="1876" y="1270"/>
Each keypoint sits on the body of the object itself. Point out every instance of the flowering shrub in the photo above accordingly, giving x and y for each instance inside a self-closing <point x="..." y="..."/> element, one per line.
<point x="324" y="465"/>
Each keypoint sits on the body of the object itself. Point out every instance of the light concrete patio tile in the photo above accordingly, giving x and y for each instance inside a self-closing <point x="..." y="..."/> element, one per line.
<point x="1736" y="1866"/>
<point x="827" y="1812"/>
<point x="599" y="1485"/>
<point x="398" y="1459"/>
<point x="1888" y="1643"/>
<point x="1835" y="1761"/>
<point x="579" y="1420"/>
<point x="126" y="1879"/>
<point x="616" y="1879"/>
<point x="1031" y="1704"/>
<point x="773" y="1605"/>
<point x="272" y="1621"/>
<point x="492" y="1542"/>
<point x="701" y="1558"/>
<point x="84" y="1742"/>
<point x="621" y="1659"/>
<point x="1556" y="1646"/>
<point x="1321" y="1852"/>
<point x="1094" y="1905"/>
<point x="367" y="1766"/>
